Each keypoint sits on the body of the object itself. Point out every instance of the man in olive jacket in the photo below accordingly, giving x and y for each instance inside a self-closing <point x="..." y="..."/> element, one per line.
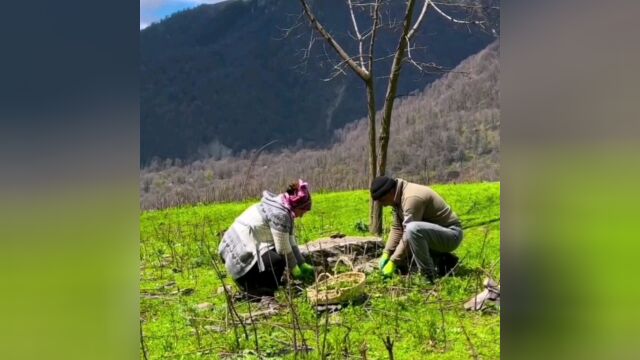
<point x="424" y="225"/>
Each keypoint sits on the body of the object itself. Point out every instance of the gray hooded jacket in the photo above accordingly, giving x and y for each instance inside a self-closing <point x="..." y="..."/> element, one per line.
<point x="263" y="226"/>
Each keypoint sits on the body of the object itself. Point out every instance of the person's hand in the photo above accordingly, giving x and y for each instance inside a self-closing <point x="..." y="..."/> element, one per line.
<point x="296" y="272"/>
<point x="389" y="269"/>
<point x="384" y="259"/>
<point x="308" y="271"/>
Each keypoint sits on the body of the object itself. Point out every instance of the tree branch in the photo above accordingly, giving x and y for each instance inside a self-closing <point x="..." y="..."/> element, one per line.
<point x="416" y="26"/>
<point x="423" y="67"/>
<point x="374" y="28"/>
<point x="336" y="73"/>
<point x="359" y="37"/>
<point x="362" y="73"/>
<point x="443" y="14"/>
<point x="287" y="31"/>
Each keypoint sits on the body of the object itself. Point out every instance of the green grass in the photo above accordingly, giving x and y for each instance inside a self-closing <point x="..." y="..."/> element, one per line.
<point x="422" y="324"/>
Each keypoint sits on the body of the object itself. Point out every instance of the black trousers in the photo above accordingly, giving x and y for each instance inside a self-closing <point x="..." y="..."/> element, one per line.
<point x="265" y="283"/>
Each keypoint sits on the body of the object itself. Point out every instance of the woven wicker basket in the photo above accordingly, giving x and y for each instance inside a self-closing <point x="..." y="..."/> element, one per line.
<point x="336" y="289"/>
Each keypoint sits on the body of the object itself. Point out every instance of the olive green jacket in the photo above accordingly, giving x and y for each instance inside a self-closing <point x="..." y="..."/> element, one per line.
<point x="414" y="202"/>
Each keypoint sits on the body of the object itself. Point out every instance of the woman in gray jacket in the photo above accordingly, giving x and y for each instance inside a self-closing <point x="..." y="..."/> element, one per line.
<point x="261" y="244"/>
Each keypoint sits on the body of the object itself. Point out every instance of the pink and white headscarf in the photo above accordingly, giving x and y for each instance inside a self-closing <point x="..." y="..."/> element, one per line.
<point x="301" y="200"/>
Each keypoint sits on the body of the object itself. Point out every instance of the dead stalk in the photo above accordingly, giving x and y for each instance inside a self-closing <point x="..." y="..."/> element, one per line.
<point x="228" y="297"/>
<point x="388" y="344"/>
<point x="474" y="352"/>
<point x="142" y="344"/>
<point x="444" y="328"/>
<point x="255" y="331"/>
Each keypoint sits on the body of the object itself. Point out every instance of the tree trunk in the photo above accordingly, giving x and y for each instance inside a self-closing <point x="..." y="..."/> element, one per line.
<point x="392" y="89"/>
<point x="376" y="218"/>
<point x="375" y="212"/>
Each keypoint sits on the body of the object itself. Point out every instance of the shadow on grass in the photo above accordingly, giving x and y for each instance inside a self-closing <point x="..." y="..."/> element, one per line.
<point x="460" y="271"/>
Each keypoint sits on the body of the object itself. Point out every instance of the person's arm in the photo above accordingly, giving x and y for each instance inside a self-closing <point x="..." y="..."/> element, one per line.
<point x="412" y="210"/>
<point x="307" y="272"/>
<point x="295" y="249"/>
<point x="283" y="247"/>
<point x="395" y="235"/>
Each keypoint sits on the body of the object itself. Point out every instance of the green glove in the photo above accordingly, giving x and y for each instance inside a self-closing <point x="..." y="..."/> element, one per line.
<point x="383" y="260"/>
<point x="389" y="269"/>
<point x="308" y="271"/>
<point x="296" y="272"/>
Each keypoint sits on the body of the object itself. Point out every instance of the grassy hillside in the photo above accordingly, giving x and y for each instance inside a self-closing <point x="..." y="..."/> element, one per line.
<point x="176" y="274"/>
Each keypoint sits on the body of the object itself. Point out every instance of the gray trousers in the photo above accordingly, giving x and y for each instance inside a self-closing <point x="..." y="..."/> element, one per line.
<point x="424" y="237"/>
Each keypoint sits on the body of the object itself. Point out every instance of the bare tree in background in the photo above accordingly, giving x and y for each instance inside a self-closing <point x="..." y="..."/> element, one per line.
<point x="363" y="65"/>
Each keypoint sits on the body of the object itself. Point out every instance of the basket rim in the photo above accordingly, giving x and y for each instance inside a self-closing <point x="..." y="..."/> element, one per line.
<point x="325" y="296"/>
<point x="358" y="277"/>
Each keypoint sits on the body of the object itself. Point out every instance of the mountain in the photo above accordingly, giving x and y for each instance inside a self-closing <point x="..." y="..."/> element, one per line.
<point x="223" y="77"/>
<point x="448" y="132"/>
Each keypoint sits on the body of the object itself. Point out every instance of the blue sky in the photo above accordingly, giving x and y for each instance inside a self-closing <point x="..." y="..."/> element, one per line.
<point x="155" y="10"/>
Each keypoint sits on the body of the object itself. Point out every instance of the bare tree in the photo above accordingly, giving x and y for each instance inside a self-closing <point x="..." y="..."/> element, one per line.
<point x="364" y="70"/>
<point x="363" y="66"/>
